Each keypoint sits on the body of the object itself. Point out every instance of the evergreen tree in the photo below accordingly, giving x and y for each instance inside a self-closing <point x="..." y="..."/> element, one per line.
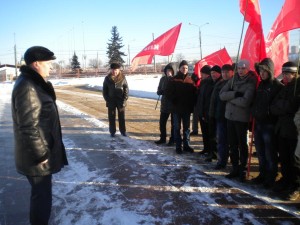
<point x="113" y="49"/>
<point x="75" y="65"/>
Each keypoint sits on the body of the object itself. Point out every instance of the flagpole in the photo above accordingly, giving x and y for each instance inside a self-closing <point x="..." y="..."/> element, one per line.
<point x="237" y="57"/>
<point x="297" y="66"/>
<point x="154" y="56"/>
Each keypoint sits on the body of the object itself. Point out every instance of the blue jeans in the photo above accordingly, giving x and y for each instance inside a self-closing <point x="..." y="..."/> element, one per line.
<point x="183" y="118"/>
<point x="266" y="149"/>
<point x="222" y="143"/>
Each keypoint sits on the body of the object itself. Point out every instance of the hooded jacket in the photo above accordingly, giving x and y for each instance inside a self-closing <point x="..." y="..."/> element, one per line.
<point x="37" y="127"/>
<point x="265" y="93"/>
<point x="165" y="105"/>
<point x="238" y="108"/>
<point x="115" y="91"/>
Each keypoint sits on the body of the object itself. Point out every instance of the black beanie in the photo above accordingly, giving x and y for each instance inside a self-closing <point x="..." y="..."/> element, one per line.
<point x="206" y="69"/>
<point x="114" y="66"/>
<point x="227" y="67"/>
<point x="183" y="62"/>
<point x="289" y="67"/>
<point x="216" y="68"/>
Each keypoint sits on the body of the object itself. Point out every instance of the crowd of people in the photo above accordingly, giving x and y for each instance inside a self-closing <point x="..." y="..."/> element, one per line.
<point x="229" y="101"/>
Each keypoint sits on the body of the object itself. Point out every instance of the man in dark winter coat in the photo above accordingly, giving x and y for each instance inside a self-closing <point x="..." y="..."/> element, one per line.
<point x="115" y="93"/>
<point x="181" y="91"/>
<point x="285" y="105"/>
<point x="264" y="131"/>
<point x="39" y="150"/>
<point x="239" y="93"/>
<point x="165" y="106"/>
<point x="202" y="106"/>
<point x="215" y="77"/>
<point x="217" y="113"/>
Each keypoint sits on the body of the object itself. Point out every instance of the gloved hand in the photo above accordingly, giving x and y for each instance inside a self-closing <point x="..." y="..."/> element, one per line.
<point x="238" y="94"/>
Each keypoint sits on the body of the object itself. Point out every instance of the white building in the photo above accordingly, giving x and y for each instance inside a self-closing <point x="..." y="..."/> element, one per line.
<point x="8" y="72"/>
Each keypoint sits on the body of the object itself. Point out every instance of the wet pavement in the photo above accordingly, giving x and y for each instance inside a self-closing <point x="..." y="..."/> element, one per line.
<point x="120" y="180"/>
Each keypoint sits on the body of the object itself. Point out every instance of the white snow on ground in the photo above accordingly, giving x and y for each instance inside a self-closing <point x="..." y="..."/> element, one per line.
<point x="77" y="173"/>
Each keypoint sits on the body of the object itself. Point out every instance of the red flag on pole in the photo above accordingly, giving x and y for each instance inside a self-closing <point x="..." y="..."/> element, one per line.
<point x="277" y="43"/>
<point x="254" y="48"/>
<point x="164" y="45"/>
<point x="219" y="58"/>
<point x="288" y="19"/>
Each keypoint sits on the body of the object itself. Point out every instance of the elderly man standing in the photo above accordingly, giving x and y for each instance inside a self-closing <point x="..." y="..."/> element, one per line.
<point x="239" y="93"/>
<point x="39" y="150"/>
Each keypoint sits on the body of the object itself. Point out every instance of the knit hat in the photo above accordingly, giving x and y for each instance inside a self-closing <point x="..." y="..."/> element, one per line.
<point x="206" y="69"/>
<point x="216" y="68"/>
<point x="289" y="67"/>
<point x="169" y="67"/>
<point x="227" y="67"/>
<point x="244" y="63"/>
<point x="183" y="63"/>
<point x="38" y="53"/>
<point x="114" y="66"/>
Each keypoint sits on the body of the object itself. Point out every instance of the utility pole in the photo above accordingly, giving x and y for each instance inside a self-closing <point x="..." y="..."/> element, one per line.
<point x="15" y="50"/>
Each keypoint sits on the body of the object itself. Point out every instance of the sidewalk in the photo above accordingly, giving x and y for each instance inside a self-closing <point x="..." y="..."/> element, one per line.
<point x="119" y="180"/>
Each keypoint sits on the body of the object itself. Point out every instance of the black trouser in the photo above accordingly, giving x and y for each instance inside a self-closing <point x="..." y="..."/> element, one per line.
<point x="112" y="119"/>
<point x="205" y="134"/>
<point x="163" y="125"/>
<point x="212" y="127"/>
<point x="238" y="146"/>
<point x="40" y="199"/>
<point x="286" y="150"/>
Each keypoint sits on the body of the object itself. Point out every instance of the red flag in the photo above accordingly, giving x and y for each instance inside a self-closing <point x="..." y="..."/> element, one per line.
<point x="219" y="58"/>
<point x="278" y="51"/>
<point x="254" y="42"/>
<point x="250" y="9"/>
<point x="277" y="43"/>
<point x="163" y="45"/>
<point x="288" y="19"/>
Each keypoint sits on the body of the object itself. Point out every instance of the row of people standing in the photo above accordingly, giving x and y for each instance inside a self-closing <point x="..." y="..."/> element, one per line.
<point x="227" y="105"/>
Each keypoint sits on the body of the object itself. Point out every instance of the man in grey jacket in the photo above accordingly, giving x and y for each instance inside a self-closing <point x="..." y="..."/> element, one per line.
<point x="239" y="93"/>
<point x="39" y="150"/>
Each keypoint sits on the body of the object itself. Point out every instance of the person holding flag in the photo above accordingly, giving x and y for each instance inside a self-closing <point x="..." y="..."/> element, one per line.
<point x="181" y="91"/>
<point x="165" y="106"/>
<point x="285" y="106"/>
<point x="239" y="93"/>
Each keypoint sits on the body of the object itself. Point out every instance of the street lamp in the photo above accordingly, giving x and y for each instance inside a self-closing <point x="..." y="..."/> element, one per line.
<point x="199" y="36"/>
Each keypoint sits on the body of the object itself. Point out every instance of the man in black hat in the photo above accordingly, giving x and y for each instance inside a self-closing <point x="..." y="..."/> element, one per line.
<point x="39" y="149"/>
<point x="115" y="93"/>
<point x="181" y="91"/>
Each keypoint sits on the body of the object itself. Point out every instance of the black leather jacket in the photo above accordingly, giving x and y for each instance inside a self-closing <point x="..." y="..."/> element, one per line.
<point x="37" y="127"/>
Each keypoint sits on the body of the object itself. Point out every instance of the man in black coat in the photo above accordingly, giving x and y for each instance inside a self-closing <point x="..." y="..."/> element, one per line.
<point x="39" y="150"/>
<point x="181" y="91"/>
<point x="285" y="106"/>
<point x="115" y="93"/>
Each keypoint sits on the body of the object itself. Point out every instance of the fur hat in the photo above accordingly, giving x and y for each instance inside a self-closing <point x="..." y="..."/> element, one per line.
<point x="216" y="68"/>
<point x="183" y="63"/>
<point x="290" y="67"/>
<point x="205" y="69"/>
<point x="114" y="66"/>
<point x="38" y="53"/>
